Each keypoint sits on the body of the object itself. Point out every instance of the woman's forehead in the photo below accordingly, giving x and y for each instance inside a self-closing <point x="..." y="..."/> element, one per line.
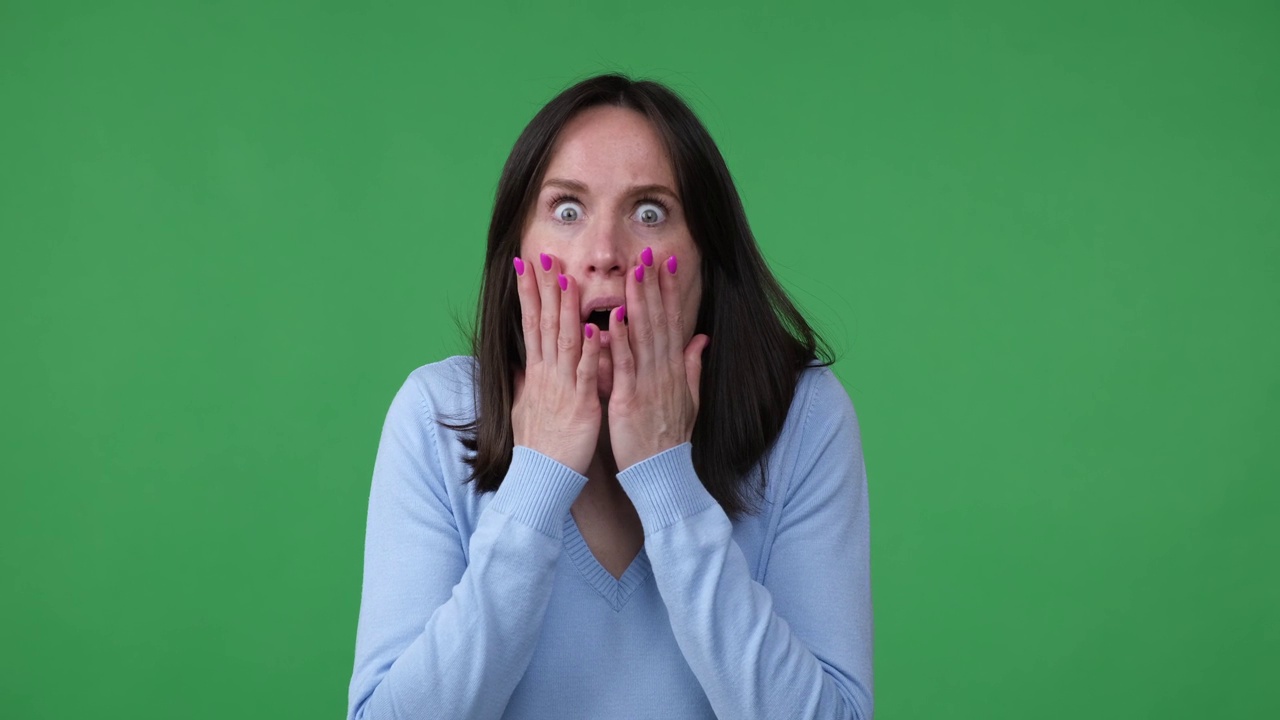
<point x="610" y="149"/>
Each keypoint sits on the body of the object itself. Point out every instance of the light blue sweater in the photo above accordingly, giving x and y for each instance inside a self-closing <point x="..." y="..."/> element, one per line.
<point x="494" y="606"/>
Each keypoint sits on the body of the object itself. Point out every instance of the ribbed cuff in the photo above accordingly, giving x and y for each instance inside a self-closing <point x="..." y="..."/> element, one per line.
<point x="538" y="491"/>
<point x="665" y="489"/>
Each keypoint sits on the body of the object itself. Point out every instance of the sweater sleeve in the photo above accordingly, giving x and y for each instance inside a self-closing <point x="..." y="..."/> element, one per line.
<point x="800" y="644"/>
<point x="443" y="634"/>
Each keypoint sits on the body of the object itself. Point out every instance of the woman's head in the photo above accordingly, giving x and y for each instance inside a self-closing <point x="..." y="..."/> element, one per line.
<point x="620" y="150"/>
<point x="608" y="192"/>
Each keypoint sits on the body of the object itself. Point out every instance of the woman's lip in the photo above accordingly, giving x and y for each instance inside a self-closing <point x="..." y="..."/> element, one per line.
<point x="601" y="301"/>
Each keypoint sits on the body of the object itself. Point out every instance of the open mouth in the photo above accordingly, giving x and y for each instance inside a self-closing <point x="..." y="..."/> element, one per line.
<point x="600" y="307"/>
<point x="600" y="318"/>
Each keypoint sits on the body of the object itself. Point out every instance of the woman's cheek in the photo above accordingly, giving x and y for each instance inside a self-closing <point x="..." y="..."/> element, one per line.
<point x="691" y="285"/>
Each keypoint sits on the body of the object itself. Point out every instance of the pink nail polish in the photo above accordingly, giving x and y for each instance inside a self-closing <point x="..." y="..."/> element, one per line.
<point x="620" y="314"/>
<point x="671" y="264"/>
<point x="546" y="261"/>
<point x="646" y="257"/>
<point x="589" y="331"/>
<point x="639" y="273"/>
<point x="564" y="281"/>
<point x="519" y="266"/>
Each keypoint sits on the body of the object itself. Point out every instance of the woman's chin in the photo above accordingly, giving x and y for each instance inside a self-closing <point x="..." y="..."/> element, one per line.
<point x="604" y="373"/>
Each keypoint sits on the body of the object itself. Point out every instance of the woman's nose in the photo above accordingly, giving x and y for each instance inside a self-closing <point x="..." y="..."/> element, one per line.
<point x="604" y="249"/>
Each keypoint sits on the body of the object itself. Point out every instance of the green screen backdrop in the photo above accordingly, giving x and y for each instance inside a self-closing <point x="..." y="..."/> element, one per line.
<point x="1043" y="238"/>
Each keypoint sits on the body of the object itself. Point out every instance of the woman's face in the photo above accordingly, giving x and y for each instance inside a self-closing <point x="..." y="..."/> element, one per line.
<point x="608" y="193"/>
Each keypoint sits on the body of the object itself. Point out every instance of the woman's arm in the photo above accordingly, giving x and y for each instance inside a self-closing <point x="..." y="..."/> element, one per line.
<point x="800" y="644"/>
<point x="438" y="635"/>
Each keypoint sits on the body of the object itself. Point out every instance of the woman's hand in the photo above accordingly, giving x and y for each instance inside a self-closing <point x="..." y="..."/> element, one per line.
<point x="557" y="405"/>
<point x="654" y="402"/>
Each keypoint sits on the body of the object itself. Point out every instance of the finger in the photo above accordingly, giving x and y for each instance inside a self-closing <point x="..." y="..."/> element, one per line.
<point x="674" y="309"/>
<point x="530" y="311"/>
<point x="569" y="345"/>
<point x="624" y="363"/>
<point x="589" y="364"/>
<point x="549" y="293"/>
<point x="639" y="324"/>
<point x="693" y="367"/>
<point x="654" y="310"/>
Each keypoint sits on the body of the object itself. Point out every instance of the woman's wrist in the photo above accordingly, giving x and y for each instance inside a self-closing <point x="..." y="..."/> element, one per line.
<point x="538" y="490"/>
<point x="665" y="488"/>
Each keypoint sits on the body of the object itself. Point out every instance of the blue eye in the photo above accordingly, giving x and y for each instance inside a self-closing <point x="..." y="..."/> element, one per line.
<point x="566" y="209"/>
<point x="651" y="212"/>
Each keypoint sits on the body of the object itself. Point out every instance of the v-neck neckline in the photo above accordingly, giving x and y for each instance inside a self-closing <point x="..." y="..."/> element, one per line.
<point x="615" y="591"/>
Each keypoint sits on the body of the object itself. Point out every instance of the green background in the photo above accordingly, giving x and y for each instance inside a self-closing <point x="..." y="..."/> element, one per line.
<point x="1045" y="241"/>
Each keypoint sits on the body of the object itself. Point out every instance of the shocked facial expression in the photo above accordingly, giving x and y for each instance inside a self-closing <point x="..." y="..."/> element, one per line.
<point x="608" y="193"/>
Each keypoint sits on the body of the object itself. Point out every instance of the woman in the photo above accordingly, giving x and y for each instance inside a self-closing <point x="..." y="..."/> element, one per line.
<point x="652" y="500"/>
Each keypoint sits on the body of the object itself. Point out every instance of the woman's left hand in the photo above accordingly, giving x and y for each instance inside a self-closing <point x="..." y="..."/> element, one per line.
<point x="654" y="401"/>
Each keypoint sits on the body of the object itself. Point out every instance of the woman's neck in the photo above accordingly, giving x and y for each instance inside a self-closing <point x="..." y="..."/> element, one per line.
<point x="602" y="473"/>
<point x="603" y="495"/>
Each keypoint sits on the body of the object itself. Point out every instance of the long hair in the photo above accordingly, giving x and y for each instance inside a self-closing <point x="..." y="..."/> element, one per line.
<point x="760" y="342"/>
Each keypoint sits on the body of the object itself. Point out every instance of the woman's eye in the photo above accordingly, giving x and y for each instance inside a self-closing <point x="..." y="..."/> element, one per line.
<point x="651" y="213"/>
<point x="567" y="211"/>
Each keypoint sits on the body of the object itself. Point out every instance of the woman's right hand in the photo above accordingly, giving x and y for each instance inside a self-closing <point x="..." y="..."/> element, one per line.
<point x="557" y="406"/>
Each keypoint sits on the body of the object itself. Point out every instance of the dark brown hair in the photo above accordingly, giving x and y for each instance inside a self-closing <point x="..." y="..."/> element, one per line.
<point x="760" y="342"/>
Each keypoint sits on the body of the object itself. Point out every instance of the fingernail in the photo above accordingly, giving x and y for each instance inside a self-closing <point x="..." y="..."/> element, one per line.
<point x="587" y="329"/>
<point x="671" y="264"/>
<point x="519" y="266"/>
<point x="564" y="281"/>
<point x="639" y="273"/>
<point x="646" y="257"/>
<point x="546" y="261"/>
<point x="620" y="314"/>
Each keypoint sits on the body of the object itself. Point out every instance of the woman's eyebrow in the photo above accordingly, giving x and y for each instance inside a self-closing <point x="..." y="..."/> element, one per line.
<point x="571" y="185"/>
<point x="575" y="186"/>
<point x="650" y="189"/>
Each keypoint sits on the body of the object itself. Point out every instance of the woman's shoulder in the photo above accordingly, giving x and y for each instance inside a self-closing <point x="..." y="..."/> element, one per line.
<point x="820" y="391"/>
<point x="820" y="421"/>
<point x="447" y="386"/>
<point x="821" y="414"/>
